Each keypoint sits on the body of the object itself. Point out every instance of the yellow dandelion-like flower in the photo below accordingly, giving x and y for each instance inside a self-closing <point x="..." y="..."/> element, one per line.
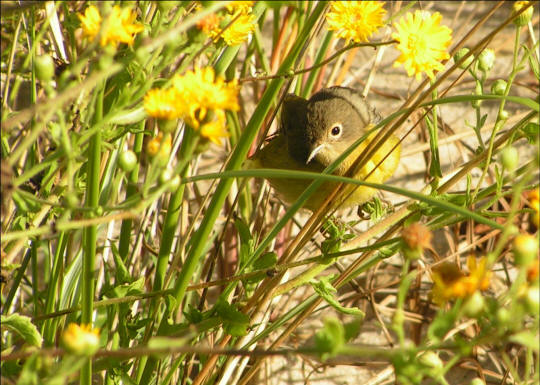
<point x="240" y="6"/>
<point x="355" y="20"/>
<point x="451" y="283"/>
<point x="423" y="43"/>
<point x="90" y="22"/>
<point x="199" y="92"/>
<point x="119" y="27"/>
<point x="238" y="32"/>
<point x="82" y="340"/>
<point x="159" y="103"/>
<point x="214" y="131"/>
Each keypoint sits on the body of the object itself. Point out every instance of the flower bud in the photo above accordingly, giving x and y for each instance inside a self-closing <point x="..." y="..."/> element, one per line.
<point x="81" y="340"/>
<point x="474" y="305"/>
<point x="524" y="17"/>
<point x="44" y="66"/>
<point x="460" y="54"/>
<point x="525" y="249"/>
<point x="503" y="316"/>
<point x="486" y="60"/>
<point x="127" y="161"/>
<point x="477" y="381"/>
<point x="168" y="175"/>
<point x="416" y="237"/>
<point x="498" y="87"/>
<point x="532" y="299"/>
<point x="510" y="158"/>
<point x="431" y="359"/>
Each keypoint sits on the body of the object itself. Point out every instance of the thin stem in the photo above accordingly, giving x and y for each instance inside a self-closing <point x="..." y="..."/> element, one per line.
<point x="90" y="233"/>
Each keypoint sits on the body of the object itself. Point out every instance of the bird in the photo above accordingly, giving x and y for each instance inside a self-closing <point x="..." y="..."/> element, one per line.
<point x="313" y="133"/>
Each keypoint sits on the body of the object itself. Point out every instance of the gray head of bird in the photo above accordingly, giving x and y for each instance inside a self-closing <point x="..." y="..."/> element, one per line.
<point x="336" y="118"/>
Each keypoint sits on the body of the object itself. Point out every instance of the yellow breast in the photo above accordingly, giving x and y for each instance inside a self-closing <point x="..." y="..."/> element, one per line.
<point x="275" y="155"/>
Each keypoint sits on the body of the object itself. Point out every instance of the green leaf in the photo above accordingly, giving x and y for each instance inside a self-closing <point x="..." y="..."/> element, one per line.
<point x="531" y="132"/>
<point x="23" y="326"/>
<point x="352" y="329"/>
<point x="435" y="166"/>
<point x="121" y="272"/>
<point x="234" y="321"/>
<point x="533" y="62"/>
<point x="330" y="339"/>
<point x="193" y="315"/>
<point x="243" y="230"/>
<point x="326" y="291"/>
<point x="133" y="288"/>
<point x="527" y="339"/>
<point x="265" y="261"/>
<point x="24" y="203"/>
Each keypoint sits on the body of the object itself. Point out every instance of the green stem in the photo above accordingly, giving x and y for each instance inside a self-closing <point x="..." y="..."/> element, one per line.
<point x="90" y="233"/>
<point x="435" y="166"/>
<point x="48" y="327"/>
<point x="131" y="190"/>
<point x="500" y="122"/>
<point x="189" y="143"/>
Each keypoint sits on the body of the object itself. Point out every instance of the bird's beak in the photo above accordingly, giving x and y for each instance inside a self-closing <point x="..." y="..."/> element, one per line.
<point x="314" y="152"/>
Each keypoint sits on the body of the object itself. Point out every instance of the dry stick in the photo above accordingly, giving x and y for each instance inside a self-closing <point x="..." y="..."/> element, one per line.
<point x="274" y="60"/>
<point x="348" y="61"/>
<point x="322" y="71"/>
<point x="145" y="351"/>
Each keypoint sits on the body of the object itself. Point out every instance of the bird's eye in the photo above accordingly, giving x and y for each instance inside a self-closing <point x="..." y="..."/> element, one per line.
<point x="336" y="130"/>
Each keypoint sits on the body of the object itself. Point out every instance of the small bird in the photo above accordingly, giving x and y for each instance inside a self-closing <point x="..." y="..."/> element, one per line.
<point x="314" y="133"/>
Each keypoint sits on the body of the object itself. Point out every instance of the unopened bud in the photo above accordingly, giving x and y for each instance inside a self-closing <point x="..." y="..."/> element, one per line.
<point x="486" y="60"/>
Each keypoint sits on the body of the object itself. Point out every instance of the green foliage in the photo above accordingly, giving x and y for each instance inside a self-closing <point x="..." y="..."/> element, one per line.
<point x="330" y="339"/>
<point x="172" y="247"/>
<point x="24" y="327"/>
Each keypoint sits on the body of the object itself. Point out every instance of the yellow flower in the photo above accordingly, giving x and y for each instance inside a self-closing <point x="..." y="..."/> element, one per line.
<point x="159" y="103"/>
<point x="82" y="340"/>
<point x="90" y="22"/>
<point x="355" y="20"/>
<point x="199" y="91"/>
<point x="423" y="43"/>
<point x="119" y="27"/>
<point x="451" y="283"/>
<point x="201" y="98"/>
<point x="238" y="32"/>
<point x="214" y="131"/>
<point x="240" y="6"/>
